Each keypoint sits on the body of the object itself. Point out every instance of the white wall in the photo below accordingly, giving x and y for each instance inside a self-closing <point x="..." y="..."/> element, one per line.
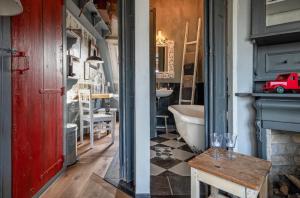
<point x="142" y="98"/>
<point x="240" y="61"/>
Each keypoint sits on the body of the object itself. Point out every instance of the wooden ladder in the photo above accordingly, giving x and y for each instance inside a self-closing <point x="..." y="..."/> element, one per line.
<point x="189" y="80"/>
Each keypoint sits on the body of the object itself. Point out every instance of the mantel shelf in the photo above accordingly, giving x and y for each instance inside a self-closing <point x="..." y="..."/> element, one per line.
<point x="276" y="38"/>
<point x="267" y="95"/>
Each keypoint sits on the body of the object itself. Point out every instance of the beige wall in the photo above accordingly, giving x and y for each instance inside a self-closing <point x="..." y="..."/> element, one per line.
<point x="171" y="17"/>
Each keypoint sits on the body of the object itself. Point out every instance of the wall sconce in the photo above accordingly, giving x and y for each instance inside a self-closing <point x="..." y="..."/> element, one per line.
<point x="160" y="38"/>
<point x="10" y="7"/>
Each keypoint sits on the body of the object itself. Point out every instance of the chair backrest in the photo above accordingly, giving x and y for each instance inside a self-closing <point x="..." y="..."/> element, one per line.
<point x="85" y="102"/>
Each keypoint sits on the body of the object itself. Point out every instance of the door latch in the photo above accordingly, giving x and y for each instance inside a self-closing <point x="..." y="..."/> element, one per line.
<point x="60" y="91"/>
<point x="20" y="62"/>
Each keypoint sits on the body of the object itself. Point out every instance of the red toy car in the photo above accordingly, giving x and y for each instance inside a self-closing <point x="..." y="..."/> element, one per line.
<point x="283" y="82"/>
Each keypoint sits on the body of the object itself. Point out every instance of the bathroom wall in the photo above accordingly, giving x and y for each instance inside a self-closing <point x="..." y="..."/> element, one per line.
<point x="171" y="17"/>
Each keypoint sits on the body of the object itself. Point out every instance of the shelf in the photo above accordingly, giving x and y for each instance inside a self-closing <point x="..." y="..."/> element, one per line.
<point x="273" y="95"/>
<point x="243" y="94"/>
<point x="268" y="95"/>
<point x="276" y="38"/>
<point x="75" y="11"/>
<point x="100" y="25"/>
<point x="73" y="78"/>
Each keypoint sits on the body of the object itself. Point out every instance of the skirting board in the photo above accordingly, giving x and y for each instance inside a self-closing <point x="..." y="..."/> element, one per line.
<point x="142" y="196"/>
<point x="49" y="183"/>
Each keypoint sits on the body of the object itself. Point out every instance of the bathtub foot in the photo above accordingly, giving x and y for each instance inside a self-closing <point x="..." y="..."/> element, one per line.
<point x="179" y="138"/>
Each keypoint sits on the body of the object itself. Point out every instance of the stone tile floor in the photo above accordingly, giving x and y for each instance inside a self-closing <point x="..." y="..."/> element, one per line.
<point x="170" y="173"/>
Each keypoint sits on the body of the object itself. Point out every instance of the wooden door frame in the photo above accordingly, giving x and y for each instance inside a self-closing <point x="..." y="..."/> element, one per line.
<point x="5" y="110"/>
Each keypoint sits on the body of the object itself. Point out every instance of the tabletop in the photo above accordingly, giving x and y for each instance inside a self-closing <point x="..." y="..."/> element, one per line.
<point x="242" y="169"/>
<point x="102" y="96"/>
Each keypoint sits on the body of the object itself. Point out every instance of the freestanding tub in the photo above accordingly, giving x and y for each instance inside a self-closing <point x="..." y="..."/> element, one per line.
<point x="189" y="121"/>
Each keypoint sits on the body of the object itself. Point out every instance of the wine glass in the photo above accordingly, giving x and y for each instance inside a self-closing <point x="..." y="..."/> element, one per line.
<point x="216" y="142"/>
<point x="230" y="143"/>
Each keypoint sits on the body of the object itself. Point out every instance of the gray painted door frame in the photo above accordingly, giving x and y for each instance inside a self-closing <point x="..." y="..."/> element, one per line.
<point x="5" y="109"/>
<point x="127" y="88"/>
<point x="152" y="36"/>
<point x="215" y="69"/>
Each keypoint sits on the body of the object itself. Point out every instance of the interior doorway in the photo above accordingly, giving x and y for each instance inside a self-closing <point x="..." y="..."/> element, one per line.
<point x="101" y="134"/>
<point x="177" y="71"/>
<point x="175" y="117"/>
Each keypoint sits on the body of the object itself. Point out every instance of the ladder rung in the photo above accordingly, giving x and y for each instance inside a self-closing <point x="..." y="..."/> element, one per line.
<point x="190" y="52"/>
<point x="186" y="100"/>
<point x="191" y="43"/>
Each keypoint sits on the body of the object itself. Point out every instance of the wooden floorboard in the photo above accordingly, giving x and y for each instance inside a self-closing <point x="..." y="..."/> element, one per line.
<point x="84" y="179"/>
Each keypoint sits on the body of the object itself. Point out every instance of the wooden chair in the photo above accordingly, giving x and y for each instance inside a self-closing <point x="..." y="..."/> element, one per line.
<point x="89" y="118"/>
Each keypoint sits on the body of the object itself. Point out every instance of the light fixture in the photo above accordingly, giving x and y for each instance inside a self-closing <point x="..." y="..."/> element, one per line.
<point x="160" y="38"/>
<point x="94" y="59"/>
<point x="10" y="7"/>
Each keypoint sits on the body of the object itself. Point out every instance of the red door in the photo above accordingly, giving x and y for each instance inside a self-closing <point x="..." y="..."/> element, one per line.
<point x="37" y="101"/>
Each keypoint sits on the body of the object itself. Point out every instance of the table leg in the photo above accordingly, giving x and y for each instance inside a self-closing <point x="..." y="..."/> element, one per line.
<point x="166" y="124"/>
<point x="195" y="184"/>
<point x="215" y="193"/>
<point x="113" y="127"/>
<point x="81" y="130"/>
<point x="264" y="189"/>
<point x="92" y="134"/>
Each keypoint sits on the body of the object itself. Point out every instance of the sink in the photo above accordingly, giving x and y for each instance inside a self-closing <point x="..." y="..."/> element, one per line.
<point x="163" y="92"/>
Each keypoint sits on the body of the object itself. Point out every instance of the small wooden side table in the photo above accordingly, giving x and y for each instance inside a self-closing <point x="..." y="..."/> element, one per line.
<point x="243" y="176"/>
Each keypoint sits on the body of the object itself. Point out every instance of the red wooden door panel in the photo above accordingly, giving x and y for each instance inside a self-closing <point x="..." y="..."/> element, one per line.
<point x="53" y="125"/>
<point x="37" y="113"/>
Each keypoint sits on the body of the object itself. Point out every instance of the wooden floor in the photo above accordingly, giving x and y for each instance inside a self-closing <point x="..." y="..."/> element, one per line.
<point x="84" y="179"/>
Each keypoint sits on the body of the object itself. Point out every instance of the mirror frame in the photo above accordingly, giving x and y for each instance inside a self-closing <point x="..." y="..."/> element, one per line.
<point x="170" y="61"/>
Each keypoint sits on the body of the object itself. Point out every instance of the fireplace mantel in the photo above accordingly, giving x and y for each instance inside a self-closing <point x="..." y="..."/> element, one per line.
<point x="277" y="114"/>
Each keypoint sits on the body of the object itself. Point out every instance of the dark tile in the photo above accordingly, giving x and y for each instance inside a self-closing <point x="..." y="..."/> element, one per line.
<point x="160" y="131"/>
<point x="159" y="139"/>
<point x="159" y="185"/>
<point x="190" y="158"/>
<point x="180" y="185"/>
<point x="127" y="187"/>
<point x="186" y="148"/>
<point x="165" y="163"/>
<point x="170" y="196"/>
<point x="157" y="145"/>
<point x="168" y="173"/>
<point x="163" y="152"/>
<point x="174" y="132"/>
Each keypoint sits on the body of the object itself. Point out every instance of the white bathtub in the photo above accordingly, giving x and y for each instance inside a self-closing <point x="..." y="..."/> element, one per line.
<point x="189" y="121"/>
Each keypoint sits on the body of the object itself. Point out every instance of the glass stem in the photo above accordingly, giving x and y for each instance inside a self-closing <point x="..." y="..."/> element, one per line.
<point x="230" y="152"/>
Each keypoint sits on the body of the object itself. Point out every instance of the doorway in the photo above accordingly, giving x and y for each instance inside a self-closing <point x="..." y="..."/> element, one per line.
<point x="170" y="56"/>
<point x="38" y="89"/>
<point x="170" y="147"/>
